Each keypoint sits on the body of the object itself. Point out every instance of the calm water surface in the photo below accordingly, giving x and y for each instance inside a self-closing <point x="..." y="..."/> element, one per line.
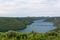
<point x="39" y="26"/>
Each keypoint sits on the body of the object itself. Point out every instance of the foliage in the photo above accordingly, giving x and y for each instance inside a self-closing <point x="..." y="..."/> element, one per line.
<point x="7" y="23"/>
<point x="12" y="35"/>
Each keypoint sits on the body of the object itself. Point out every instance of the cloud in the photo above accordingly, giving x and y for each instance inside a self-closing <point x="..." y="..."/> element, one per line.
<point x="29" y="7"/>
<point x="7" y="6"/>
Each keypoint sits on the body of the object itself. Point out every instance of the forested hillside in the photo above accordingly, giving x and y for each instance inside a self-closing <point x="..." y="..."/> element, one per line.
<point x="8" y="23"/>
<point x="56" y="21"/>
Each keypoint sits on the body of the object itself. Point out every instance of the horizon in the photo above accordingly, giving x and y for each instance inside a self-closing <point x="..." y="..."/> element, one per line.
<point x="29" y="16"/>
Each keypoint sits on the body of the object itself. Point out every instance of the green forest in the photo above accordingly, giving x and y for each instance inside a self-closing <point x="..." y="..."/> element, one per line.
<point x="12" y="24"/>
<point x="8" y="23"/>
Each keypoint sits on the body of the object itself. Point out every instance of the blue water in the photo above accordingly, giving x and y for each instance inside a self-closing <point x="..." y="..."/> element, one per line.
<point x="39" y="26"/>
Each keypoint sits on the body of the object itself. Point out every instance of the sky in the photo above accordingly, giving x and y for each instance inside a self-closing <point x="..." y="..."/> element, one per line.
<point x="23" y="8"/>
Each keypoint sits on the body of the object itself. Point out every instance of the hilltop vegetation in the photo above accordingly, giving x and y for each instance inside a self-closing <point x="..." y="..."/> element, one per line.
<point x="12" y="35"/>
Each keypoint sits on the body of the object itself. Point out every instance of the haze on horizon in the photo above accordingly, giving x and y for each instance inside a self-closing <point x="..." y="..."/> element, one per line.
<point x="23" y="8"/>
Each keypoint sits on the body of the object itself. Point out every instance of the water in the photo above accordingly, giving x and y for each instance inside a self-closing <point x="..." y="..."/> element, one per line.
<point x="39" y="26"/>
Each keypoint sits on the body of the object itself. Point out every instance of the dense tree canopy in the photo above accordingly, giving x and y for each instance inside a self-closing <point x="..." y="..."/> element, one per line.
<point x="7" y="23"/>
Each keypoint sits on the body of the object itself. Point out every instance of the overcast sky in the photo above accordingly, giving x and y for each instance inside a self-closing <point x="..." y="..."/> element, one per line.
<point x="29" y="8"/>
